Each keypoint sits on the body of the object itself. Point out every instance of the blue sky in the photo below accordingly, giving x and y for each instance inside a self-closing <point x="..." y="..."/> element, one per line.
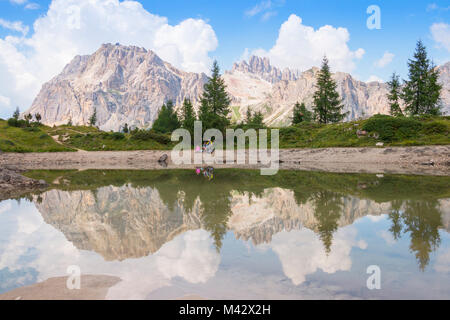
<point x="233" y="27"/>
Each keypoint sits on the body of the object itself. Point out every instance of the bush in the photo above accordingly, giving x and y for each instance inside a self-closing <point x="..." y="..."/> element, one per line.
<point x="435" y="128"/>
<point x="392" y="128"/>
<point x="117" y="136"/>
<point x="31" y="129"/>
<point x="145" y="135"/>
<point x="13" y="122"/>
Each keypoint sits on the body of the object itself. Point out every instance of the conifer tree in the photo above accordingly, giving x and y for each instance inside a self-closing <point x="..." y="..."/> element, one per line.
<point x="301" y="114"/>
<point x="327" y="103"/>
<point x="16" y="114"/>
<point x="187" y="117"/>
<point x="394" y="96"/>
<point x="215" y="102"/>
<point x="93" y="118"/>
<point x="421" y="92"/>
<point x="167" y="120"/>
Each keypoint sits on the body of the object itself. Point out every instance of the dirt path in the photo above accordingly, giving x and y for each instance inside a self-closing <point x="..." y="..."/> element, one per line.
<point x="432" y="160"/>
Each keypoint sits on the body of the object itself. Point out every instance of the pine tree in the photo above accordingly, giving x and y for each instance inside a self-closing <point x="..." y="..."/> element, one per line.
<point x="125" y="128"/>
<point x="215" y="102"/>
<point x="38" y="117"/>
<point x="301" y="114"/>
<point x="167" y="120"/>
<point x="421" y="92"/>
<point x="327" y="104"/>
<point x="187" y="117"/>
<point x="257" y="120"/>
<point x="93" y="118"/>
<point x="394" y="96"/>
<point x="16" y="114"/>
<point x="248" y="116"/>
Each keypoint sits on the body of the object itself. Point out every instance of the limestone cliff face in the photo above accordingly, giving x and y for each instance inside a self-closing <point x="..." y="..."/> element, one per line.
<point x="125" y="84"/>
<point x="256" y="85"/>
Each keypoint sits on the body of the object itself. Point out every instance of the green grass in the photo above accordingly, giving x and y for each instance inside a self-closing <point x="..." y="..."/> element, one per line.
<point x="380" y="128"/>
<point x="32" y="139"/>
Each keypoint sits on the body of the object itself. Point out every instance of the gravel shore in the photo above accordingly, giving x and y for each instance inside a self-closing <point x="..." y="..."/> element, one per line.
<point x="428" y="160"/>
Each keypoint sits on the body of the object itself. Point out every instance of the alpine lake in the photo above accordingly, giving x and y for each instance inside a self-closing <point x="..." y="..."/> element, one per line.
<point x="232" y="234"/>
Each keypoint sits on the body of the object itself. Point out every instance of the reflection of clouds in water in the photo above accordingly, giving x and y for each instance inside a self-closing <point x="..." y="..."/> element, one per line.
<point x="387" y="237"/>
<point x="31" y="244"/>
<point x="376" y="218"/>
<point x="442" y="263"/>
<point x="301" y="252"/>
<point x="5" y="206"/>
<point x="190" y="256"/>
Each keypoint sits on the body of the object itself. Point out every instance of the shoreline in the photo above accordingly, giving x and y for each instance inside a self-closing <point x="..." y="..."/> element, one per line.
<point x="420" y="160"/>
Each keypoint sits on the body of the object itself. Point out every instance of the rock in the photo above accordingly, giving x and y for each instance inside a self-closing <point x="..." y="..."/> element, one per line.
<point x="163" y="158"/>
<point x="379" y="144"/>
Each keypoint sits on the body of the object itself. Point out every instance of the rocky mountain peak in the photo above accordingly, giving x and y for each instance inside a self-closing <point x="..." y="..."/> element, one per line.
<point x="261" y="67"/>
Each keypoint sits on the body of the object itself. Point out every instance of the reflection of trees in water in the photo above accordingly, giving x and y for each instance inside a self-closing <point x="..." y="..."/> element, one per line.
<point x="327" y="191"/>
<point x="327" y="211"/>
<point x="422" y="219"/>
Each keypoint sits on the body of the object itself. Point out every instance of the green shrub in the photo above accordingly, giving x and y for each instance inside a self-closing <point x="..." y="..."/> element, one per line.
<point x="392" y="128"/>
<point x="117" y="136"/>
<point x="13" y="122"/>
<point x="31" y="129"/>
<point x="435" y="127"/>
<point x="145" y="135"/>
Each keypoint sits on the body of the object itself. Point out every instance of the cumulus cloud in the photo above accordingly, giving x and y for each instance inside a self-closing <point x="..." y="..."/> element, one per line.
<point x="72" y="27"/>
<point x="385" y="59"/>
<point x="441" y="34"/>
<point x="301" y="47"/>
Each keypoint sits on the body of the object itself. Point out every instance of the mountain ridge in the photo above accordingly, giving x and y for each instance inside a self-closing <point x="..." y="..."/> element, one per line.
<point x="129" y="84"/>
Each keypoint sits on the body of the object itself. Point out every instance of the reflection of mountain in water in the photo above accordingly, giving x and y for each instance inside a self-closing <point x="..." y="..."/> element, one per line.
<point x="117" y="222"/>
<point x="128" y="222"/>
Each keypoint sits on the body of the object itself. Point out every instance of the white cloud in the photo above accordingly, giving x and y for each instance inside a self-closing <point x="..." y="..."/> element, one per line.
<point x="310" y="254"/>
<point x="301" y="47"/>
<point x="263" y="5"/>
<point x="72" y="27"/>
<point x="32" y="6"/>
<point x="18" y="1"/>
<point x="385" y="59"/>
<point x="443" y="261"/>
<point x="5" y="206"/>
<point x="14" y="26"/>
<point x="373" y="78"/>
<point x="441" y="34"/>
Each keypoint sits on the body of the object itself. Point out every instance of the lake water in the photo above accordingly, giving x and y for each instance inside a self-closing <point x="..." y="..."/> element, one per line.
<point x="233" y="234"/>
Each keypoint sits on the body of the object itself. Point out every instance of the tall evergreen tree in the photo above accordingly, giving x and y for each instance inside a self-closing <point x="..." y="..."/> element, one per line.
<point x="16" y="114"/>
<point x="93" y="118"/>
<point x="187" y="117"/>
<point x="421" y="92"/>
<point x="215" y="102"/>
<point x="301" y="114"/>
<point x="167" y="120"/>
<point x="327" y="103"/>
<point x="394" y="96"/>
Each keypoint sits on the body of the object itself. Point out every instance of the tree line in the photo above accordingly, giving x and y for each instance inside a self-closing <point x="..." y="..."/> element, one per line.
<point x="419" y="95"/>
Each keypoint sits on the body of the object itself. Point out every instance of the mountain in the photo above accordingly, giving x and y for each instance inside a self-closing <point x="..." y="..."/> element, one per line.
<point x="258" y="85"/>
<point x="127" y="84"/>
